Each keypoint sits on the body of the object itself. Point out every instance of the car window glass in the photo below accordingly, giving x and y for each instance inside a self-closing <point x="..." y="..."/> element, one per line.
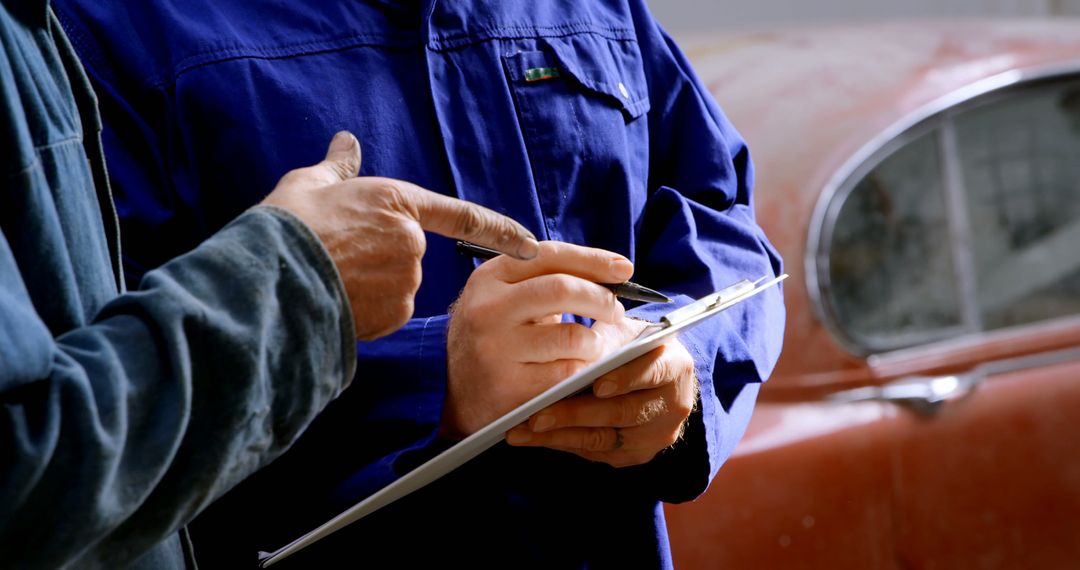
<point x="1020" y="159"/>
<point x="891" y="271"/>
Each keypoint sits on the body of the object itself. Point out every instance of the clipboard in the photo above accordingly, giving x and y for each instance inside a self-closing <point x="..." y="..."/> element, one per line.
<point x="468" y="448"/>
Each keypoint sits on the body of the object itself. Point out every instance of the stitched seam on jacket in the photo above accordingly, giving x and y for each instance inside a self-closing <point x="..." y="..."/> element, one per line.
<point x="522" y="32"/>
<point x="352" y="41"/>
<point x="341" y="43"/>
<point x="73" y="139"/>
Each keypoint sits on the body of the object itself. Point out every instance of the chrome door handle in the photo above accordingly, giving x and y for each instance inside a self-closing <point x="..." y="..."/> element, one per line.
<point x="923" y="394"/>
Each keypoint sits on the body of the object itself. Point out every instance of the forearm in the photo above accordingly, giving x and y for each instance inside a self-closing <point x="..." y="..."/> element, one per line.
<point x="173" y="394"/>
<point x="398" y="395"/>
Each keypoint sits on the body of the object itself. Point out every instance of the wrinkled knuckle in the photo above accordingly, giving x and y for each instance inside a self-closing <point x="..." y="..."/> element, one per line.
<point x="596" y="440"/>
<point x="626" y="413"/>
<point x="342" y="169"/>
<point x="389" y="193"/>
<point x="504" y="230"/>
<point x="567" y="338"/>
<point x="559" y="370"/>
<point x="661" y="372"/>
<point x="592" y="342"/>
<point x="560" y="286"/>
<point x="683" y="407"/>
<point x="388" y="220"/>
<point x="570" y="367"/>
<point x="470" y="222"/>
<point x="552" y="248"/>
<point x="389" y="188"/>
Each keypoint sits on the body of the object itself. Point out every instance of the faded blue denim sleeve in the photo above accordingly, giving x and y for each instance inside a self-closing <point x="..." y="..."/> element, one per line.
<point x="115" y="434"/>
<point x="699" y="235"/>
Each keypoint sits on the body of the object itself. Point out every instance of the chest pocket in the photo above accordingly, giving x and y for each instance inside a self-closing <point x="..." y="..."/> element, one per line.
<point x="580" y="102"/>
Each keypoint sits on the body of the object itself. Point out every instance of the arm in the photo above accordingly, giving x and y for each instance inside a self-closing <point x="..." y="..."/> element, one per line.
<point x="115" y="434"/>
<point x="158" y="194"/>
<point x="120" y="431"/>
<point x="698" y="235"/>
<point x="702" y="178"/>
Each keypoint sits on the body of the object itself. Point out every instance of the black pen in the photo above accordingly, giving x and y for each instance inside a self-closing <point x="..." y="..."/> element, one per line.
<point x="626" y="290"/>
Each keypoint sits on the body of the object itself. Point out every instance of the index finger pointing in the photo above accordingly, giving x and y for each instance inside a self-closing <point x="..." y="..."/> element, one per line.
<point x="468" y="221"/>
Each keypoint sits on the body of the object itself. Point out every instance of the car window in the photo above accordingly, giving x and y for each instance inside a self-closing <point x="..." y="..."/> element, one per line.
<point x="1020" y="159"/>
<point x="969" y="222"/>
<point x="891" y="279"/>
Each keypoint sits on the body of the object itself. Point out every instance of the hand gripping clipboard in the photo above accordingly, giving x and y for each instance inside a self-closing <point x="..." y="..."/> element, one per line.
<point x="493" y="433"/>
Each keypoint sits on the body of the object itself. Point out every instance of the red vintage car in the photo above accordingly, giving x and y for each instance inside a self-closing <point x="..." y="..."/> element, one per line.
<point x="923" y="185"/>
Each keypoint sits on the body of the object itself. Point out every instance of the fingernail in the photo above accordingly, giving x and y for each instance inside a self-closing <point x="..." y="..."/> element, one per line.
<point x="519" y="436"/>
<point x="620" y="266"/>
<point x="342" y="141"/>
<point x="605" y="389"/>
<point x="544" y="423"/>
<point x="528" y="249"/>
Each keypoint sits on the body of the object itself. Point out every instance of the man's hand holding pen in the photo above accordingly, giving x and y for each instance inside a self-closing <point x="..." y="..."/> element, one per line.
<point x="507" y="343"/>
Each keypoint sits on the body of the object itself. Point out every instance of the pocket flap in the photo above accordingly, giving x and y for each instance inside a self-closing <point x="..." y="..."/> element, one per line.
<point x="609" y="68"/>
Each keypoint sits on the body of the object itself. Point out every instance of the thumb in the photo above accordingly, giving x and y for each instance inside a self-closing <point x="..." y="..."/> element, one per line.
<point x="342" y="160"/>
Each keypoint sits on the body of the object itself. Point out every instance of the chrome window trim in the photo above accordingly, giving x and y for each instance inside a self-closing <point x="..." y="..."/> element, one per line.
<point x="924" y="119"/>
<point x="899" y="356"/>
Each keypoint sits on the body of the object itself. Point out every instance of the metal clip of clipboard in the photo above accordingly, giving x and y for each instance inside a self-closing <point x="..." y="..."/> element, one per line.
<point x="711" y="302"/>
<point x="493" y="433"/>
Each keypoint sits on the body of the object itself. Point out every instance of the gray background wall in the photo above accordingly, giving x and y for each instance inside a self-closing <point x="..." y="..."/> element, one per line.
<point x="703" y="14"/>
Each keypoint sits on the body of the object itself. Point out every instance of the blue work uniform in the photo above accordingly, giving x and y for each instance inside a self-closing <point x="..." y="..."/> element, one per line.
<point x="582" y="120"/>
<point x="124" y="415"/>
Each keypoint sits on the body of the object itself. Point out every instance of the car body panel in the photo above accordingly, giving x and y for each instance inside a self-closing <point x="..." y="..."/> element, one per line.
<point x="995" y="481"/>
<point x="828" y="478"/>
<point x="762" y="512"/>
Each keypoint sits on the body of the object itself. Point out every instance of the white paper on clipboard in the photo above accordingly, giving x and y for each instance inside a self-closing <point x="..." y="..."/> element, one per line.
<point x="468" y="448"/>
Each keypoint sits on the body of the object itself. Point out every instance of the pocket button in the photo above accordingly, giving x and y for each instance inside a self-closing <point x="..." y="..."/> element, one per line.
<point x="622" y="89"/>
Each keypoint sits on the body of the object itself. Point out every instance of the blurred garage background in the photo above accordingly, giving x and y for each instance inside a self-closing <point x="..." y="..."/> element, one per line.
<point x="680" y="15"/>
<point x="918" y="167"/>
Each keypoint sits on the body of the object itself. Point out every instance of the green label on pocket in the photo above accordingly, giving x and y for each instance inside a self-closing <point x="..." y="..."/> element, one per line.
<point x="540" y="74"/>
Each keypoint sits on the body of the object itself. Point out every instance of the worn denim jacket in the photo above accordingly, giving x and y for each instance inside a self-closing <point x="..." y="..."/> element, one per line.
<point x="124" y="415"/>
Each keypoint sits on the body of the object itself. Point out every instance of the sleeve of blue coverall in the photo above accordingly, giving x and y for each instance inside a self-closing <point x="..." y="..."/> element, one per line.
<point x="155" y="196"/>
<point x="114" y="435"/>
<point x="414" y="356"/>
<point x="697" y="236"/>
